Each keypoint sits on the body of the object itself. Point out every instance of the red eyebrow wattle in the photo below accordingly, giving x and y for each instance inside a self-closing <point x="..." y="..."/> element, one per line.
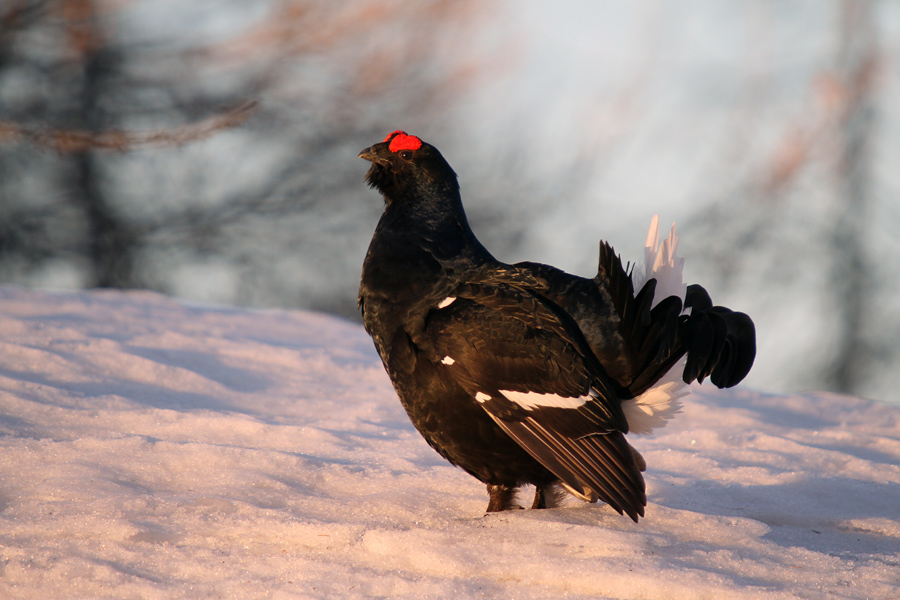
<point x="402" y="141"/>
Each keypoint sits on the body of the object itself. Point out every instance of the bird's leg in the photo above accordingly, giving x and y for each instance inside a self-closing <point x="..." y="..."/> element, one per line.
<point x="547" y="496"/>
<point x="502" y="498"/>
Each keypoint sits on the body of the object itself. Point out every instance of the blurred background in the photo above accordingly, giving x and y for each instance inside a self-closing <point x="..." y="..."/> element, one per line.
<point x="208" y="150"/>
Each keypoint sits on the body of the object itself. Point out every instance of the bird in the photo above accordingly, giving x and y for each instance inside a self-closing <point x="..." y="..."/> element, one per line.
<point x="522" y="374"/>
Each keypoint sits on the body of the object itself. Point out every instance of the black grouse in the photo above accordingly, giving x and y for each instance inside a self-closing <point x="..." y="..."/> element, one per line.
<point x="524" y="374"/>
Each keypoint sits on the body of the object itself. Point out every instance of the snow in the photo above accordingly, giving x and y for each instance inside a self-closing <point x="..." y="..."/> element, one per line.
<point x="155" y="449"/>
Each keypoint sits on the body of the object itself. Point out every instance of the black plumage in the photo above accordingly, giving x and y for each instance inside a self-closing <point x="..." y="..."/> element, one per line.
<point x="518" y="373"/>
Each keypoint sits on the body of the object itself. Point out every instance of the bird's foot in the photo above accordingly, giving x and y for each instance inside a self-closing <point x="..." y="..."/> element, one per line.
<point x="502" y="497"/>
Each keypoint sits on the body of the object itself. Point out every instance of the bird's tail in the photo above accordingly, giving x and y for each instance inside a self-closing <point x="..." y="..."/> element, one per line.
<point x="691" y="339"/>
<point x="659" y="403"/>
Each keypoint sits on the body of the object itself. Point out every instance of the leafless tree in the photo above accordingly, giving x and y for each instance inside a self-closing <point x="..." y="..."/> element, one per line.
<point x="132" y="156"/>
<point x="796" y="228"/>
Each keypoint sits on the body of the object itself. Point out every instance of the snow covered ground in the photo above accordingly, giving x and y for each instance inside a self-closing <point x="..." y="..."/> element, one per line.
<point x="154" y="449"/>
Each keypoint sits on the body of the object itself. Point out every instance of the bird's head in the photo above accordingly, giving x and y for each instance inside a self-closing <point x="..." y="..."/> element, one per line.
<point x="403" y="166"/>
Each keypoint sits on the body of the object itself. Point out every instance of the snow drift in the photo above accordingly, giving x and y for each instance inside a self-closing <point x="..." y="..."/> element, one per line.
<point x="154" y="449"/>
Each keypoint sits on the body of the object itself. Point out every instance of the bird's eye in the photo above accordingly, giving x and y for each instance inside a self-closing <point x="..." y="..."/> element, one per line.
<point x="406" y="154"/>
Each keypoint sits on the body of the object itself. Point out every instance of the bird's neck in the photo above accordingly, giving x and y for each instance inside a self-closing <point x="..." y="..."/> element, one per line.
<point x="437" y="223"/>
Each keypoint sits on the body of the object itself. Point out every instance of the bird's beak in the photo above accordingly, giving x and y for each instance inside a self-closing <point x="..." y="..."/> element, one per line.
<point x="368" y="154"/>
<point x="375" y="154"/>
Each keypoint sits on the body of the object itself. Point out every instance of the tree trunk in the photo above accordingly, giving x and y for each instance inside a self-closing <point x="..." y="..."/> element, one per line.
<point x="851" y="272"/>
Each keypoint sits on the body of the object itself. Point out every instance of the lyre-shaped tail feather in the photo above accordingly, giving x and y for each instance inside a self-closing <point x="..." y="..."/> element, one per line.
<point x="721" y="343"/>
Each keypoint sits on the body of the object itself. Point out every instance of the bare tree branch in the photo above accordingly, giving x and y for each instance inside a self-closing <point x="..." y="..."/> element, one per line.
<point x="72" y="141"/>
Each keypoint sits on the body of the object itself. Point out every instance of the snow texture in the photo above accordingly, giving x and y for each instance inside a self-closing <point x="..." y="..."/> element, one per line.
<point x="152" y="449"/>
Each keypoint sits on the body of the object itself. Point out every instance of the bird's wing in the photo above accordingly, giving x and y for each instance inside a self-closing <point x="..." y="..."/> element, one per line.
<point x="526" y="362"/>
<point x="635" y="341"/>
